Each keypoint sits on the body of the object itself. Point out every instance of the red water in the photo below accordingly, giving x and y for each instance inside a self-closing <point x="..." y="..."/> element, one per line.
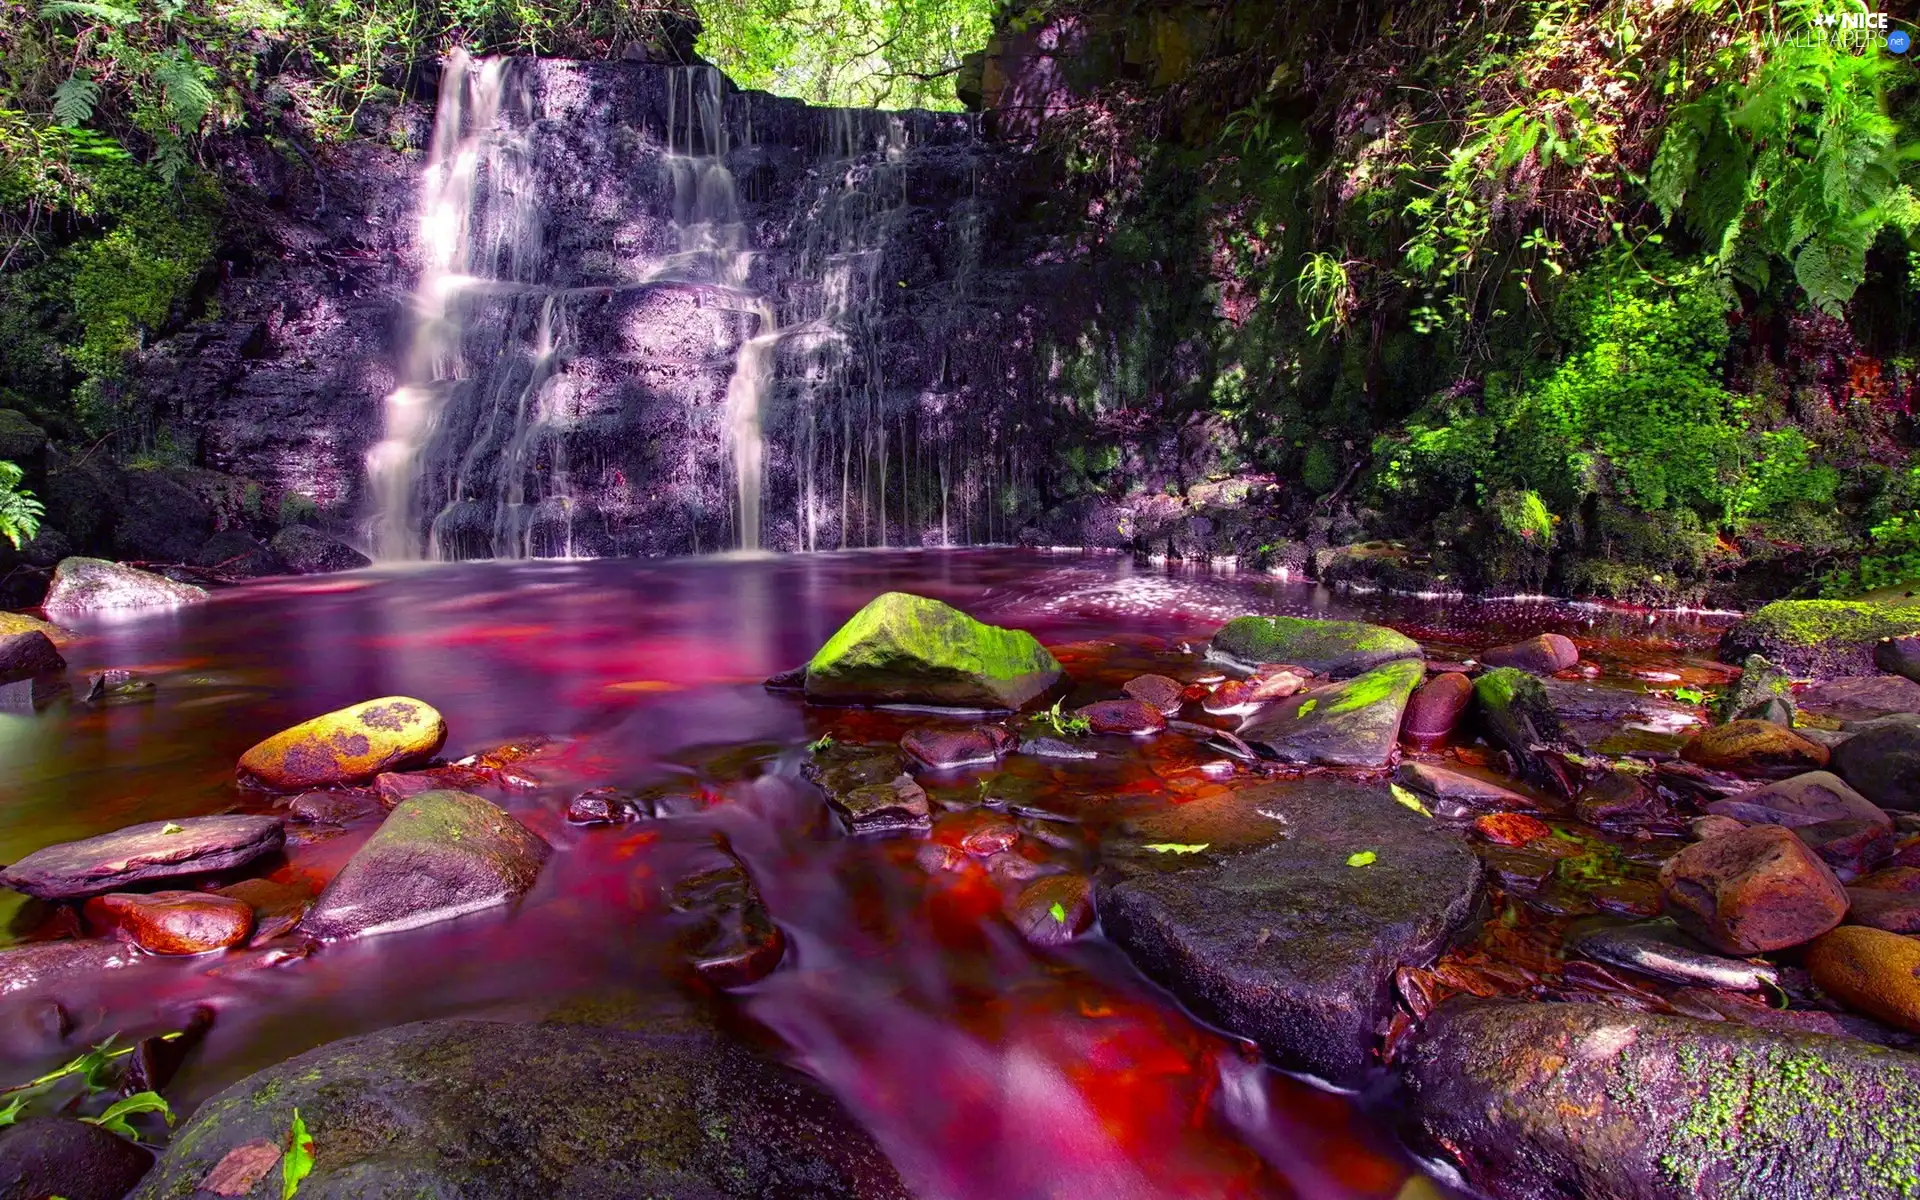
<point x="984" y="1067"/>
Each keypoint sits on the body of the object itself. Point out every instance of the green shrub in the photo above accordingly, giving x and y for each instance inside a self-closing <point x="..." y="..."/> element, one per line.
<point x="1319" y="469"/>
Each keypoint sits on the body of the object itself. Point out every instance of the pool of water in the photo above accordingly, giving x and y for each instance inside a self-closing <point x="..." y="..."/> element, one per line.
<point x="983" y="1066"/>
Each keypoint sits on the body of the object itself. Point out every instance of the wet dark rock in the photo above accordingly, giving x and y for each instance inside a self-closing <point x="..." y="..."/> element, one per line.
<point x="1882" y="761"/>
<point x="336" y="807"/>
<point x="870" y="788"/>
<point x="1539" y="1101"/>
<point x="25" y="655"/>
<point x="176" y="922"/>
<point x="1860" y="698"/>
<point x="1053" y="910"/>
<point x="277" y="907"/>
<point x="794" y="679"/>
<point x="156" y="1060"/>
<point x="1518" y="868"/>
<point x="1888" y="899"/>
<point x="1661" y="949"/>
<point x="1049" y="747"/>
<point x="905" y="649"/>
<point x="1009" y="867"/>
<point x="1130" y="717"/>
<point x="1819" y="639"/>
<point x="733" y="941"/>
<point x="84" y="585"/>
<point x="1271" y="932"/>
<point x="602" y="806"/>
<point x="1435" y="709"/>
<point x="1757" y="890"/>
<point x="1754" y="748"/>
<point x="238" y="555"/>
<point x="1461" y="788"/>
<point x="1899" y="656"/>
<point x="946" y="748"/>
<point x="1850" y="846"/>
<point x="1351" y="724"/>
<point x="1870" y="971"/>
<point x="139" y="853"/>
<point x="494" y="1111"/>
<point x="44" y="966"/>
<point x="1542" y="655"/>
<point x="307" y="551"/>
<point x="1618" y="800"/>
<point x="437" y="856"/>
<point x="1341" y="649"/>
<point x="1762" y="692"/>
<point x="65" y="1157"/>
<point x="1167" y="695"/>
<point x="1806" y="799"/>
<point x="1516" y="716"/>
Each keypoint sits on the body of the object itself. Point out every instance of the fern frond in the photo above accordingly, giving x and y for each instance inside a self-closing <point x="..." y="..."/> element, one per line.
<point x="184" y="83"/>
<point x="105" y="14"/>
<point x="1678" y="158"/>
<point x="20" y="513"/>
<point x="74" y="100"/>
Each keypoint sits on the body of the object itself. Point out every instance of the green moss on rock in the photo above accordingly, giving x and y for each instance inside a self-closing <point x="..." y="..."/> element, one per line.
<point x="907" y="649"/>
<point x="1819" y="638"/>
<point x="1341" y="649"/>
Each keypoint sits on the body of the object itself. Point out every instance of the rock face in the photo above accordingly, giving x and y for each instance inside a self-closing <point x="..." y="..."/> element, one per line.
<point x="25" y="655"/>
<point x="1541" y="655"/>
<point x="1543" y="1101"/>
<point x="1436" y="708"/>
<point x="1882" y="761"/>
<point x="1754" y="748"/>
<point x="1272" y="933"/>
<point x="1819" y="638"/>
<point x="179" y="922"/>
<point x="438" y="855"/>
<point x="1871" y="970"/>
<point x="491" y="1111"/>
<point x="352" y="745"/>
<point x="84" y="585"/>
<point x="1748" y="892"/>
<point x="61" y="1156"/>
<point x="1340" y="649"/>
<point x="1350" y="724"/>
<point x="307" y="551"/>
<point x="155" y="850"/>
<point x="905" y="649"/>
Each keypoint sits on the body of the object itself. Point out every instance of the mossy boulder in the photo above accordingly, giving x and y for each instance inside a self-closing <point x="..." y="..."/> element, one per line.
<point x="351" y="745"/>
<point x="1341" y="649"/>
<point x="906" y="649"/>
<point x="1282" y="911"/>
<point x="1351" y="724"/>
<point x="1819" y="639"/>
<point x="1762" y="693"/>
<point x="1516" y="713"/>
<point x="486" y="1110"/>
<point x="12" y="623"/>
<point x="437" y="856"/>
<point x="1536" y="1100"/>
<point x="84" y="585"/>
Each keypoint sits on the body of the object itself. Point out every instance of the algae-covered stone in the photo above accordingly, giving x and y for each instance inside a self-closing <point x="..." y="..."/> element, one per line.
<point x="906" y="649"/>
<point x="1551" y="1100"/>
<point x="1282" y="911"/>
<point x="349" y="746"/>
<point x="1341" y="649"/>
<point x="438" y="855"/>
<point x="1350" y="724"/>
<point x="487" y="1110"/>
<point x="13" y="623"/>
<point x="1819" y="638"/>
<point x="84" y="585"/>
<point x="1763" y="692"/>
<point x="1517" y="715"/>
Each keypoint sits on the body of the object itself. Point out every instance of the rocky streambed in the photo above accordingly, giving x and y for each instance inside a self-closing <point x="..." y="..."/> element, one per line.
<point x="953" y="909"/>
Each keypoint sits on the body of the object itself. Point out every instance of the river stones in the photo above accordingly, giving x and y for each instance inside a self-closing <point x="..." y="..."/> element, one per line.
<point x="1434" y="710"/>
<point x="1757" y="890"/>
<point x="485" y="1110"/>
<point x="1461" y="788"/>
<point x="1167" y="695"/>
<point x="1287" y="925"/>
<point x="84" y="585"/>
<point x="1805" y="799"/>
<point x="1340" y="649"/>
<point x="1052" y="747"/>
<point x="176" y="922"/>
<point x="16" y="623"/>
<point x="1661" y="949"/>
<point x="870" y="788"/>
<point x="906" y="649"/>
<point x="438" y="855"/>
<point x="1349" y="724"/>
<point x="1762" y="692"/>
<point x="1754" y="748"/>
<point x="25" y="655"/>
<point x="44" y="966"/>
<point x="1888" y="900"/>
<point x="1860" y="697"/>
<point x="1541" y="655"/>
<point x="1871" y="971"/>
<point x="1134" y="718"/>
<point x="1516" y="716"/>
<point x="1819" y="639"/>
<point x="1538" y="1101"/>
<point x="732" y="941"/>
<point x="941" y="749"/>
<point x="307" y="551"/>
<point x="1053" y="910"/>
<point x="352" y="745"/>
<point x="155" y="850"/>
<point x="1899" y="656"/>
<point x="1618" y="800"/>
<point x="68" y="1158"/>
<point x="1882" y="761"/>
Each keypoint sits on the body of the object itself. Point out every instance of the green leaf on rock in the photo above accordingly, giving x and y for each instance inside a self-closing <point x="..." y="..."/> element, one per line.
<point x="1687" y="695"/>
<point x="825" y="742"/>
<point x="1059" y="912"/>
<point x="297" y="1163"/>
<point x="1177" y="847"/>
<point x="1305" y="708"/>
<point x="170" y="827"/>
<point x="114" y="1120"/>
<point x="1364" y="858"/>
<point x="1409" y="800"/>
<point x="11" y="1112"/>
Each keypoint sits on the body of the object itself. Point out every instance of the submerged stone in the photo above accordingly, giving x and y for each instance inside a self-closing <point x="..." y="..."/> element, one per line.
<point x="1340" y="649"/>
<point x="84" y="585"/>
<point x="733" y="941"/>
<point x="438" y="855"/>
<point x="870" y="788"/>
<point x="44" y="966"/>
<point x="138" y="853"/>
<point x="1350" y="724"/>
<point x="1289" y="923"/>
<point x="70" y="1159"/>
<point x="906" y="649"/>
<point x="352" y="745"/>
<point x="1054" y="909"/>
<point x="487" y="1110"/>
<point x="1549" y="1100"/>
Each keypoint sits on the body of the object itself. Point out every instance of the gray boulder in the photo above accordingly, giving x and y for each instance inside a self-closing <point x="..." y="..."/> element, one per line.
<point x="65" y="1157"/>
<point x="307" y="551"/>
<point x="1882" y="761"/>
<point x="84" y="585"/>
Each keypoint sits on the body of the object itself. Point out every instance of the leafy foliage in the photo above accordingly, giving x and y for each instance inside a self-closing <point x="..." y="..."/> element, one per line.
<point x="114" y="1120"/>
<point x="296" y="1163"/>
<point x="883" y="53"/>
<point x="20" y="512"/>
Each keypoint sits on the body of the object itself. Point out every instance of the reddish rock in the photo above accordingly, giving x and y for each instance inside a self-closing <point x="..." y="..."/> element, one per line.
<point x="1541" y="655"/>
<point x="1754" y="748"/>
<point x="1010" y="867"/>
<point x="1806" y="799"/>
<point x="1870" y="971"/>
<point x="942" y="748"/>
<point x="1510" y="829"/>
<point x="733" y="941"/>
<point x="990" y="838"/>
<point x="336" y="807"/>
<point x="1707" y="827"/>
<point x="1054" y="910"/>
<point x="1851" y="847"/>
<point x="1906" y="853"/>
<point x="1618" y="800"/>
<point x="395" y="786"/>
<point x="1123" y="716"/>
<point x="1748" y="892"/>
<point x="1270" y="681"/>
<point x="175" y="922"/>
<point x="1435" y="709"/>
<point x="935" y="857"/>
<point x="1888" y="899"/>
<point x="1163" y="693"/>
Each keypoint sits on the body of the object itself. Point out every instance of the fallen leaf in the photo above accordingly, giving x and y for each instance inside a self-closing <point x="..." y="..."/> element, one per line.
<point x="1363" y="858"/>
<point x="1409" y="800"/>
<point x="243" y="1167"/>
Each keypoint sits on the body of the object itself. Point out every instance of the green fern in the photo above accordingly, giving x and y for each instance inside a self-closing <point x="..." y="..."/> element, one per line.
<point x="105" y="14"/>
<point x="20" y="513"/>
<point x="74" y="100"/>
<point x="183" y="81"/>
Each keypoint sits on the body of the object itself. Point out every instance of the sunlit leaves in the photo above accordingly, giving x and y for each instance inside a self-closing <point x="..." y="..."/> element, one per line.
<point x="1362" y="858"/>
<point x="85" y="10"/>
<point x="859" y="53"/>
<point x="1176" y="847"/>
<point x="114" y="1120"/>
